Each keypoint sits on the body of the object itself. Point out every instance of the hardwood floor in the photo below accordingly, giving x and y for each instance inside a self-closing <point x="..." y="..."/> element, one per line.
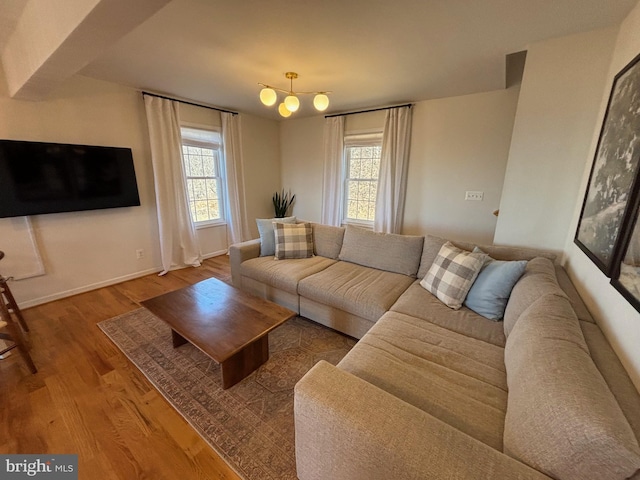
<point x="87" y="398"/>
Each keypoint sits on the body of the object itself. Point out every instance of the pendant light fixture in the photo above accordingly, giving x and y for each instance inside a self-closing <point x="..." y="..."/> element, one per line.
<point x="291" y="103"/>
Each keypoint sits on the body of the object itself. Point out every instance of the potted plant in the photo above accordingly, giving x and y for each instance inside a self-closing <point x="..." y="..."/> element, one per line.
<point x="281" y="203"/>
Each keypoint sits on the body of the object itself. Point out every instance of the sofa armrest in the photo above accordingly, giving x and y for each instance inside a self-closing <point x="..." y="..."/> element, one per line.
<point x="347" y="428"/>
<point x="240" y="252"/>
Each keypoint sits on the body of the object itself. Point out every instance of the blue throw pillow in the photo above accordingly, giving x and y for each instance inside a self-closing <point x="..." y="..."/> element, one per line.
<point x="490" y="292"/>
<point x="267" y="235"/>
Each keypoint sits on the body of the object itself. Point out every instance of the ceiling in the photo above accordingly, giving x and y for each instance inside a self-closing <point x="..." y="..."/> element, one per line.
<point x="368" y="53"/>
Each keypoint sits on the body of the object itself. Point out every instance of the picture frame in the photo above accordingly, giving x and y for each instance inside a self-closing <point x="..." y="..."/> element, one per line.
<point x="626" y="273"/>
<point x="609" y="202"/>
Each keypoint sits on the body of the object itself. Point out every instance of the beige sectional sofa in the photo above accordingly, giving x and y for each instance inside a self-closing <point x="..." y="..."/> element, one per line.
<point x="434" y="393"/>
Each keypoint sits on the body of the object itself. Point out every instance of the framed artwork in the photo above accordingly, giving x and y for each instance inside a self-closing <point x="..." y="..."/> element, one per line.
<point x="606" y="212"/>
<point x="626" y="272"/>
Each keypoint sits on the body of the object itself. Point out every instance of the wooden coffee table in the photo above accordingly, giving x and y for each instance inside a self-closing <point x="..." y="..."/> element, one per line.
<point x="229" y="325"/>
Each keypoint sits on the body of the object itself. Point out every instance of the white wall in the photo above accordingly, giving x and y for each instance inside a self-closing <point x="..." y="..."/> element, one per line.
<point x="302" y="157"/>
<point x="619" y="320"/>
<point x="261" y="153"/>
<point x="86" y="250"/>
<point x="458" y="144"/>
<point x="557" y="112"/>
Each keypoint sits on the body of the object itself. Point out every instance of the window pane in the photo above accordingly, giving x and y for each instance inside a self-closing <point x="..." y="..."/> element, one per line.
<point x="214" y="209"/>
<point x="366" y="171"/>
<point x="207" y="163"/>
<point x="372" y="211"/>
<point x="212" y="188"/>
<point x="352" y="211"/>
<point x="375" y="168"/>
<point x="352" y="192"/>
<point x="196" y="166"/>
<point x="202" y="212"/>
<point x="354" y="168"/>
<point x="199" y="189"/>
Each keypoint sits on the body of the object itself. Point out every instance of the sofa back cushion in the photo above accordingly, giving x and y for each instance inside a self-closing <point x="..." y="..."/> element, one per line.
<point x="562" y="419"/>
<point x="539" y="279"/>
<point x="384" y="251"/>
<point x="327" y="240"/>
<point x="432" y="246"/>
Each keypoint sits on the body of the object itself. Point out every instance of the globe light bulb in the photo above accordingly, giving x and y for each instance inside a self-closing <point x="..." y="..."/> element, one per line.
<point x="292" y="103"/>
<point x="268" y="96"/>
<point x="283" y="110"/>
<point x="321" y="102"/>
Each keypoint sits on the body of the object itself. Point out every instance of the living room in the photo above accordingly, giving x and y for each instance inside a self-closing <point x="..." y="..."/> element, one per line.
<point x="529" y="148"/>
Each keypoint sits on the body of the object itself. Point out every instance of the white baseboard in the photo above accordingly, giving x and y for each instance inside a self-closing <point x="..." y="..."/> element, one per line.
<point x="94" y="286"/>
<point x="86" y="288"/>
<point x="214" y="254"/>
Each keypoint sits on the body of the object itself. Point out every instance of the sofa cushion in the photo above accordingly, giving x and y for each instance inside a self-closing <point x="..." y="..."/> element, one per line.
<point x="457" y="379"/>
<point x="418" y="302"/>
<point x="283" y="275"/>
<point x="293" y="240"/>
<point x="562" y="419"/>
<point x="613" y="373"/>
<point x="490" y="292"/>
<point x="539" y="279"/>
<point x="574" y="297"/>
<point x="362" y="291"/>
<point x="327" y="240"/>
<point x="432" y="245"/>
<point x="384" y="251"/>
<point x="267" y="237"/>
<point x="452" y="274"/>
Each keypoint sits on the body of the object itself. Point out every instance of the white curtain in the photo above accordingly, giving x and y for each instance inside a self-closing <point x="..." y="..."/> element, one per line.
<point x="332" y="191"/>
<point x="394" y="163"/>
<point x="178" y="241"/>
<point x="235" y="207"/>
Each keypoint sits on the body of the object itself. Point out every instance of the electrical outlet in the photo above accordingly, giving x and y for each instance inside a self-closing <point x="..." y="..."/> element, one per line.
<point x="139" y="253"/>
<point x="475" y="196"/>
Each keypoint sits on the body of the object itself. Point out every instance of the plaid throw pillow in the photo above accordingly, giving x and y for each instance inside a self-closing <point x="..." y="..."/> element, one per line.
<point x="452" y="274"/>
<point x="293" y="240"/>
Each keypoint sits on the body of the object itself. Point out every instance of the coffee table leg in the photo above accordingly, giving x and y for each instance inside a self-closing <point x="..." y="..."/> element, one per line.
<point x="244" y="362"/>
<point x="177" y="339"/>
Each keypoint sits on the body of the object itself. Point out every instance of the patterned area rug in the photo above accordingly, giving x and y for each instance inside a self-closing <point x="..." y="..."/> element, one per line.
<point x="250" y="425"/>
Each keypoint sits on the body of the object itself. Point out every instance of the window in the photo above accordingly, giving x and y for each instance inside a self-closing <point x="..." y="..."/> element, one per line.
<point x="362" y="169"/>
<point x="201" y="155"/>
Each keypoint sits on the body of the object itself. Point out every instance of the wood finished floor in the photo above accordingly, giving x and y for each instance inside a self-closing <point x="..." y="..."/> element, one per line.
<point x="87" y="398"/>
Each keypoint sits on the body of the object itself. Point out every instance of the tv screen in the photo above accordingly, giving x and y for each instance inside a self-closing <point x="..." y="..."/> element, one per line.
<point x="38" y="178"/>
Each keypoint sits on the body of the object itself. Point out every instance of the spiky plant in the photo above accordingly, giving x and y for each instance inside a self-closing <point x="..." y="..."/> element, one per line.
<point x="282" y="202"/>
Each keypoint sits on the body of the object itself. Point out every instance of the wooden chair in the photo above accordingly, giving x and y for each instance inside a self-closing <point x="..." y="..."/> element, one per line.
<point x="9" y="329"/>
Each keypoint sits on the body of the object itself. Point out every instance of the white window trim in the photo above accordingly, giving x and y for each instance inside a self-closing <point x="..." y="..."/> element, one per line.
<point x="360" y="138"/>
<point x="218" y="146"/>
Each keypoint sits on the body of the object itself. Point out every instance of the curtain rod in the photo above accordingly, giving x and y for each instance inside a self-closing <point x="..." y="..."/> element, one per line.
<point x="367" y="111"/>
<point x="189" y="103"/>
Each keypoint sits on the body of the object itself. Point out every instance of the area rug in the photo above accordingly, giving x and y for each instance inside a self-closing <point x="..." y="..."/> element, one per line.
<point x="250" y="425"/>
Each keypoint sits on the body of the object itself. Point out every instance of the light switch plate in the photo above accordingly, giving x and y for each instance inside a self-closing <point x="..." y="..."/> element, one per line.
<point x="474" y="195"/>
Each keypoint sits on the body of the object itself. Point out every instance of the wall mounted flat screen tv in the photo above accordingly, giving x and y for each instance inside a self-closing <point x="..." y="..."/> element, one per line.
<point x="38" y="178"/>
